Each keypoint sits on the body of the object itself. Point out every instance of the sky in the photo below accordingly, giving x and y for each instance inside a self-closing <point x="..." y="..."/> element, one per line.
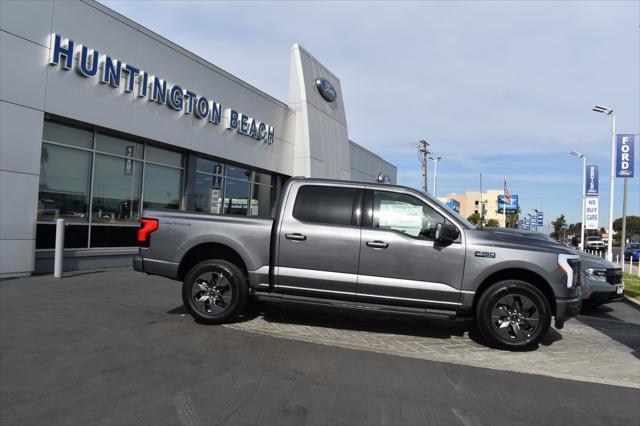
<point x="499" y="88"/>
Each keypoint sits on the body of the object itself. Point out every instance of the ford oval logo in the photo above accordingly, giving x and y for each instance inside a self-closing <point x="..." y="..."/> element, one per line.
<point x="326" y="89"/>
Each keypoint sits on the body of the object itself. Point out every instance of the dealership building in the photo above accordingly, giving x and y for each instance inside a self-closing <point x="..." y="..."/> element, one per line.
<point x="101" y="118"/>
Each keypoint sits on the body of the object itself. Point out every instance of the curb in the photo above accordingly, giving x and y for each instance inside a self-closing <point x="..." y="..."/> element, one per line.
<point x="632" y="301"/>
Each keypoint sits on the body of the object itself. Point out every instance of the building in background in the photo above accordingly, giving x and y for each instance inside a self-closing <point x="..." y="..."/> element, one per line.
<point x="470" y="202"/>
<point x="101" y="118"/>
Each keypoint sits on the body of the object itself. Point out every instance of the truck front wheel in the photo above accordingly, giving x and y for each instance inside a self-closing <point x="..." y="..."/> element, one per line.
<point x="215" y="291"/>
<point x="513" y="315"/>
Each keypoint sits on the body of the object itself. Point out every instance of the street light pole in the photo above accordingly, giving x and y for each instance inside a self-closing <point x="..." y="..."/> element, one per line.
<point x="584" y="189"/>
<point x="612" y="113"/>
<point x="435" y="174"/>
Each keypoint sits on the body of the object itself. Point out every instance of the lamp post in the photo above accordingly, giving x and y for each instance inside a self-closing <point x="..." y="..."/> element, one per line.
<point x="435" y="174"/>
<point x="584" y="166"/>
<point x="609" y="111"/>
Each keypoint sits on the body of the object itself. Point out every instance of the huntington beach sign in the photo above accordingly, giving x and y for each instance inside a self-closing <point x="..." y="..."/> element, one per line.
<point x="128" y="78"/>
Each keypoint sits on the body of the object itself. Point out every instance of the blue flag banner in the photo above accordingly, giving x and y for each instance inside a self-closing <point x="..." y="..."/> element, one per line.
<point x="591" y="184"/>
<point x="540" y="219"/>
<point x="624" y="156"/>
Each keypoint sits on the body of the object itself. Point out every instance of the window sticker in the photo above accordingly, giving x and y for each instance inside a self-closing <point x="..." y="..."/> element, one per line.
<point x="400" y="217"/>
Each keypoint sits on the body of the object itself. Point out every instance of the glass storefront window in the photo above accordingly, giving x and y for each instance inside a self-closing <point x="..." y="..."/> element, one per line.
<point x="55" y="132"/>
<point x="209" y="166"/>
<point x="238" y="173"/>
<point x="162" y="187"/>
<point x="261" y="201"/>
<point x="64" y="184"/>
<point x="236" y="197"/>
<point x="118" y="146"/>
<point x="208" y="194"/>
<point x="116" y="189"/>
<point x="263" y="178"/>
<point x="163" y="156"/>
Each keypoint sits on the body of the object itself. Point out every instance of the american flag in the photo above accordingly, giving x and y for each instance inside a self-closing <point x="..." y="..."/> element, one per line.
<point x="507" y="194"/>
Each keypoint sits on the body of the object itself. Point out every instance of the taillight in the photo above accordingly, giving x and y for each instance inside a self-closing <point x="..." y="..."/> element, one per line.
<point x="147" y="226"/>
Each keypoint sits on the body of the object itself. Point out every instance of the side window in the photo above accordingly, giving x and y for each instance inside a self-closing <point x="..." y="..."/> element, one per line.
<point x="406" y="214"/>
<point x="325" y="204"/>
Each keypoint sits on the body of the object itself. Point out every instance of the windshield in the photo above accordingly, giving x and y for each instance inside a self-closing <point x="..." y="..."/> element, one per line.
<point x="594" y="238"/>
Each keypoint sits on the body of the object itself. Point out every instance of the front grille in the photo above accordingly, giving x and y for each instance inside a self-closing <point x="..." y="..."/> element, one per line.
<point x="614" y="276"/>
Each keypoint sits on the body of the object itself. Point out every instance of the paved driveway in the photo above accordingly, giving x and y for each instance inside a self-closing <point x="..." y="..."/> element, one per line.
<point x="601" y="347"/>
<point x="114" y="347"/>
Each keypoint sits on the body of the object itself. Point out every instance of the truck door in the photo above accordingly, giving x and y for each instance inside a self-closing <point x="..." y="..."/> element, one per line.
<point x="319" y="240"/>
<point x="399" y="261"/>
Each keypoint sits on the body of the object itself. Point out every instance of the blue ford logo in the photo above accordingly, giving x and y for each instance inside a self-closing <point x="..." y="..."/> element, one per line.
<point x="326" y="89"/>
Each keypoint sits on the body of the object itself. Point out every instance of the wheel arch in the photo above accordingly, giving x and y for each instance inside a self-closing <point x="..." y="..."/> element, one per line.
<point x="206" y="251"/>
<point x="521" y="274"/>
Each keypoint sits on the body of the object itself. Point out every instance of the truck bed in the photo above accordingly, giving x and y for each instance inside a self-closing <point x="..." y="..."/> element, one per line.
<point x="179" y="233"/>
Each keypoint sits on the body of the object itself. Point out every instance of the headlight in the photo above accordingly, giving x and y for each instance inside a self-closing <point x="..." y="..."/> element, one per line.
<point x="596" y="274"/>
<point x="569" y="264"/>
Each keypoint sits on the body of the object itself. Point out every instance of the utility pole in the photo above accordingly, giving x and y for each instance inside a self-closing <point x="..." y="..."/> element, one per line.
<point x="423" y="152"/>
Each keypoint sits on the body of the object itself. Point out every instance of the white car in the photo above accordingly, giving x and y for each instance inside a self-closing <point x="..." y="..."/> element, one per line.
<point x="595" y="243"/>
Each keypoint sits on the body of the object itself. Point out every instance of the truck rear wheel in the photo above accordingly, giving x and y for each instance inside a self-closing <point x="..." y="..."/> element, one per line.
<point x="513" y="315"/>
<point x="215" y="291"/>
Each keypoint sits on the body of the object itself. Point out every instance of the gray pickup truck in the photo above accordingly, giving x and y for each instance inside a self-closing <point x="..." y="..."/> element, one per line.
<point x="364" y="246"/>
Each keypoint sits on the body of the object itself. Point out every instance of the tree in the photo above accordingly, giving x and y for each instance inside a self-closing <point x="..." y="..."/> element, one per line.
<point x="558" y="224"/>
<point x="633" y="228"/>
<point x="493" y="223"/>
<point x="474" y="218"/>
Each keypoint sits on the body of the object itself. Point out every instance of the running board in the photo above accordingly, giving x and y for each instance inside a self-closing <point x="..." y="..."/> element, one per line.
<point x="360" y="306"/>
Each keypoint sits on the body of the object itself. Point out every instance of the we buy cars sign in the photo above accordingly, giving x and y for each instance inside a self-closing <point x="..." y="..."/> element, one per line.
<point x="591" y="213"/>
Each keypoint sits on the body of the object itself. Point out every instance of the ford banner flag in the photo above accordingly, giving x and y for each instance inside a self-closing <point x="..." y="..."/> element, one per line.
<point x="624" y="156"/>
<point x="591" y="184"/>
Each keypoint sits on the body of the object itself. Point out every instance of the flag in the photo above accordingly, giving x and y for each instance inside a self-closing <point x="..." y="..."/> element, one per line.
<point x="507" y="194"/>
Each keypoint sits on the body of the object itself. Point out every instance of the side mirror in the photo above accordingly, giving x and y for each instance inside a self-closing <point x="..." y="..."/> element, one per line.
<point x="446" y="233"/>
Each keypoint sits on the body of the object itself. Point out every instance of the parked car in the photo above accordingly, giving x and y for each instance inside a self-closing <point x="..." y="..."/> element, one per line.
<point x="595" y="243"/>
<point x="632" y="251"/>
<point x="364" y="246"/>
<point x="601" y="281"/>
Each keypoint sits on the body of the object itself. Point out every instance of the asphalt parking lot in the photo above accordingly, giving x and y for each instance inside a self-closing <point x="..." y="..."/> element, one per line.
<point x="112" y="347"/>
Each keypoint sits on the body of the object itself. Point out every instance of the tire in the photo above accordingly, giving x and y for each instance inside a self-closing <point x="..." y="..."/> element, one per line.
<point x="215" y="291"/>
<point x="513" y="315"/>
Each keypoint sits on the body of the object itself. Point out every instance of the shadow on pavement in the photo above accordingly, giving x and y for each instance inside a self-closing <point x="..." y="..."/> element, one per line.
<point x="600" y="319"/>
<point x="373" y="322"/>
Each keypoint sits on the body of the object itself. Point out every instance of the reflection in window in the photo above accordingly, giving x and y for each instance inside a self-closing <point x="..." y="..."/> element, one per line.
<point x="209" y="166"/>
<point x="236" y="197"/>
<point x="406" y="214"/>
<point x="238" y="173"/>
<point x="161" y="187"/>
<point x="261" y="201"/>
<point x="163" y="156"/>
<point x="208" y="194"/>
<point x="116" y="189"/>
<point x="64" y="184"/>
<point x="60" y="133"/>
<point x="118" y="146"/>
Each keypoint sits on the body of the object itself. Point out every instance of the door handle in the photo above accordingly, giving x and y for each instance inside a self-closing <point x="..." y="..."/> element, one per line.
<point x="295" y="237"/>
<point x="377" y="244"/>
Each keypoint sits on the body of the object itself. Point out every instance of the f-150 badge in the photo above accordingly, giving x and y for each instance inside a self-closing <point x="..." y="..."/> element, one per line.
<point x="489" y="254"/>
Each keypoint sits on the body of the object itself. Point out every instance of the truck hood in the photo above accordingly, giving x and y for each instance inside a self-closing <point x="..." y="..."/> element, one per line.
<point x="521" y="240"/>
<point x="591" y="261"/>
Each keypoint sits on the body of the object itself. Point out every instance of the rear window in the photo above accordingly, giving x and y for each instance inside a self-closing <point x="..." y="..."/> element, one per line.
<point x="325" y="204"/>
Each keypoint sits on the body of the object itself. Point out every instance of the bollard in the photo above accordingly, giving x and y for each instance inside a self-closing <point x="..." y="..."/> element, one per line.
<point x="618" y="259"/>
<point x="58" y="258"/>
